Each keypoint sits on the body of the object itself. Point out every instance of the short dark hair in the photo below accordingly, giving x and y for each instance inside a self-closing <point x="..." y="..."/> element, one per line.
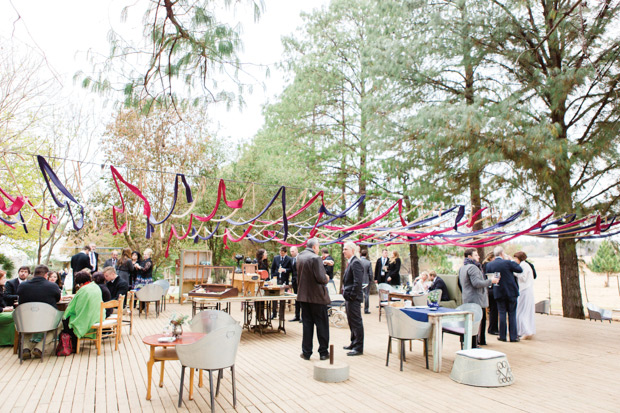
<point x="364" y="253"/>
<point x="86" y="248"/>
<point x="283" y="249"/>
<point x="24" y="267"/>
<point x="41" y="271"/>
<point x="521" y="256"/>
<point x="81" y="277"/>
<point x="98" y="278"/>
<point x="324" y="250"/>
<point x="469" y="252"/>
<point x="384" y="250"/>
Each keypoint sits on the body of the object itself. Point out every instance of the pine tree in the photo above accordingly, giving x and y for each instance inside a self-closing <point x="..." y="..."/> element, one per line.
<point x="606" y="261"/>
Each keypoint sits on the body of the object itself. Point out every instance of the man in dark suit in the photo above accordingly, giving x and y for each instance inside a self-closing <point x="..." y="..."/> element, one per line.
<point x="80" y="261"/>
<point x="367" y="279"/>
<point x="281" y="267"/>
<point x="94" y="258"/>
<point x="328" y="263"/>
<point x="38" y="290"/>
<point x="313" y="298"/>
<point x="295" y="283"/>
<point x="10" y="292"/>
<point x="352" y="291"/>
<point x="112" y="261"/>
<point x="439" y="284"/>
<point x="381" y="267"/>
<point x="115" y="284"/>
<point x="506" y="292"/>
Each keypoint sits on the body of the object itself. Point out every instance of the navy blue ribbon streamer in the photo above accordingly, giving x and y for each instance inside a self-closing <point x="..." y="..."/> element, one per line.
<point x="151" y="221"/>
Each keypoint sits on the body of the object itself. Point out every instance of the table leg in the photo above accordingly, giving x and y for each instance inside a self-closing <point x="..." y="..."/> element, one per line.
<point x="467" y="338"/>
<point x="437" y="344"/>
<point x="281" y="320"/>
<point x="200" y="383"/>
<point x="191" y="384"/>
<point x="149" y="369"/>
<point x="161" y="375"/>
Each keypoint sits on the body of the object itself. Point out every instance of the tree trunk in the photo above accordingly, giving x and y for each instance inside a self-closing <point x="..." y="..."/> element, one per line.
<point x="606" y="280"/>
<point x="572" y="305"/>
<point x="415" y="261"/>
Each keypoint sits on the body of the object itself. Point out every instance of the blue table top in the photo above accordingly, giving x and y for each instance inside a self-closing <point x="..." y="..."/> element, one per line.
<point x="421" y="314"/>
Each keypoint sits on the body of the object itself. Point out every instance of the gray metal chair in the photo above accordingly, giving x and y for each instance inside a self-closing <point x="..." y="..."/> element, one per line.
<point x="32" y="318"/>
<point x="150" y="293"/>
<point x="207" y="321"/>
<point x="165" y="285"/>
<point x="420" y="299"/>
<point x="543" y="307"/>
<point x="404" y="328"/>
<point x="215" y="351"/>
<point x="597" y="313"/>
<point x="458" y="327"/>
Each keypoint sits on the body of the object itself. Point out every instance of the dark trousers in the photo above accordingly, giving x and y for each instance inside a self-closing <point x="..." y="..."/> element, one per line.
<point x="493" y="318"/>
<point x="354" y="316"/>
<point x="366" y="298"/>
<point x="482" y="338"/>
<point x="507" y="305"/>
<point x="297" y="306"/>
<point x="314" y="315"/>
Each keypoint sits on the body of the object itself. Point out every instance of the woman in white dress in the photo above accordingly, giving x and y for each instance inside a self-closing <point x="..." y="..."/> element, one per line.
<point x="526" y="326"/>
<point x="421" y="283"/>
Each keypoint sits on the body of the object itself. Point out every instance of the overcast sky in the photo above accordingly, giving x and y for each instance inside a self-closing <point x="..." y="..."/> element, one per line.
<point x="64" y="31"/>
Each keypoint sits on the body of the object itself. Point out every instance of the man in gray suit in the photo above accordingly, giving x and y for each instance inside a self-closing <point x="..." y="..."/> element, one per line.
<point x="367" y="279"/>
<point x="313" y="298"/>
<point x="474" y="286"/>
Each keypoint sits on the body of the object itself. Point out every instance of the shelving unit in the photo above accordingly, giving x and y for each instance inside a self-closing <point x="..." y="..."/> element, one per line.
<point x="193" y="272"/>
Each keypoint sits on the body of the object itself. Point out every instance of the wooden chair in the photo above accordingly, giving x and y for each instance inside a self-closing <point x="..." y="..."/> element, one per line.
<point x="126" y="314"/>
<point x="105" y="328"/>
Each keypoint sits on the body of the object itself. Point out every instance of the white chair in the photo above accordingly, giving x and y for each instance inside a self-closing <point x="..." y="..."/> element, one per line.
<point x="403" y="327"/>
<point x="32" y="318"/>
<point x="207" y="321"/>
<point x="420" y="300"/>
<point x="165" y="285"/>
<point x="150" y="293"/>
<point x="458" y="327"/>
<point x="215" y="351"/>
<point x="597" y="313"/>
<point x="543" y="307"/>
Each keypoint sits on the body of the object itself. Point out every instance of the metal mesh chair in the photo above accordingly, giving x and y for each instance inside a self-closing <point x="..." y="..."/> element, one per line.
<point x="403" y="328"/>
<point x="458" y="327"/>
<point x="32" y="318"/>
<point x="165" y="285"/>
<point x="216" y="351"/>
<point x="597" y="313"/>
<point x="150" y="293"/>
<point x="210" y="320"/>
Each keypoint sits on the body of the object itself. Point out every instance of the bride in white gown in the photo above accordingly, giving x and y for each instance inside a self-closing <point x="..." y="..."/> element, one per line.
<point x="526" y="326"/>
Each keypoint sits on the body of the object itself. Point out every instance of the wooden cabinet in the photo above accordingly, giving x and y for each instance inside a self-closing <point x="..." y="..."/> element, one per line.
<point x="196" y="268"/>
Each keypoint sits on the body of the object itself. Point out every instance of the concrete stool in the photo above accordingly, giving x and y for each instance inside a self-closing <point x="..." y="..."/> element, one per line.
<point x="481" y="368"/>
<point x="331" y="373"/>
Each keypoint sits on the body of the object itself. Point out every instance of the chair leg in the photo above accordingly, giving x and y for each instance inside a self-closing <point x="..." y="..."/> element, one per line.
<point x="21" y="348"/>
<point x="200" y="384"/>
<point x="43" y="347"/>
<point x="232" y="370"/>
<point x="387" y="358"/>
<point x="181" y="387"/>
<point x="77" y="346"/>
<point x="426" y="352"/>
<point x="191" y="384"/>
<point x="211" y="391"/>
<point x="220" y="373"/>
<point x="402" y="354"/>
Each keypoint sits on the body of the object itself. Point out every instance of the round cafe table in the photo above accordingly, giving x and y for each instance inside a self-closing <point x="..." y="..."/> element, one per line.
<point x="166" y="352"/>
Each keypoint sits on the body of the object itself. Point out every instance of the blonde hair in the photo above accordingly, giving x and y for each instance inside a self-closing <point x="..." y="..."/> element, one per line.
<point x="394" y="256"/>
<point x="148" y="252"/>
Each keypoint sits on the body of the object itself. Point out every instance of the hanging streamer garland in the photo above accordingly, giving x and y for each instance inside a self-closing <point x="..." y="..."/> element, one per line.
<point x="429" y="229"/>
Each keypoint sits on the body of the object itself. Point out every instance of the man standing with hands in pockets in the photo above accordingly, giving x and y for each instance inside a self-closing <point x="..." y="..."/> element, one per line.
<point x="353" y="295"/>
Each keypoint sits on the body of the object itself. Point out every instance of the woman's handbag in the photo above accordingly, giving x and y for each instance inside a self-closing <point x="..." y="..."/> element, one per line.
<point x="65" y="347"/>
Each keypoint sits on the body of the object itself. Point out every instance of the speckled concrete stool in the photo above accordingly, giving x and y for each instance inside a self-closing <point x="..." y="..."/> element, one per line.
<point x="481" y="368"/>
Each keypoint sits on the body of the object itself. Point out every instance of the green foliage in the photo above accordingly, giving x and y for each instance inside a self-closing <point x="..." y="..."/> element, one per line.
<point x="7" y="265"/>
<point x="606" y="259"/>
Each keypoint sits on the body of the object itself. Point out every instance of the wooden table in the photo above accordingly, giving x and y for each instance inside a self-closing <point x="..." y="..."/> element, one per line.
<point x="167" y="352"/>
<point x="436" y="319"/>
<point x="403" y="296"/>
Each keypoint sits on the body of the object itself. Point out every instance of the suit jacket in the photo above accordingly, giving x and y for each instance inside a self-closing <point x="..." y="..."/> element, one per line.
<point x="286" y="263"/>
<point x="39" y="290"/>
<point x="109" y="263"/>
<point x="440" y="284"/>
<point x="367" y="270"/>
<point x="394" y="272"/>
<point x="80" y="261"/>
<point x="378" y="266"/>
<point x="474" y="285"/>
<point x="96" y="266"/>
<point x="352" y="280"/>
<point x="329" y="269"/>
<point x="10" y="291"/>
<point x="311" y="279"/>
<point x="294" y="268"/>
<point x="117" y="287"/>
<point x="507" y="286"/>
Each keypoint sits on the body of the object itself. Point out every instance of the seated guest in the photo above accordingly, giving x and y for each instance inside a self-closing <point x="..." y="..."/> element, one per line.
<point x="7" y="329"/>
<point x="83" y="311"/>
<point x="99" y="279"/>
<point x="5" y="304"/>
<point x="38" y="290"/>
<point x="439" y="284"/>
<point x="53" y="277"/>
<point x="116" y="285"/>
<point x="12" y="284"/>
<point x="421" y="283"/>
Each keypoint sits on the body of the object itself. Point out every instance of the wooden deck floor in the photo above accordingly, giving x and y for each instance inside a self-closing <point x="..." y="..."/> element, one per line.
<point x="571" y="365"/>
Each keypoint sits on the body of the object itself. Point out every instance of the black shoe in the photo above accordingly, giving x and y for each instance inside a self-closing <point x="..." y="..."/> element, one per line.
<point x="482" y="344"/>
<point x="515" y="341"/>
<point x="494" y="333"/>
<point x="366" y="312"/>
<point x="325" y="357"/>
<point x="355" y="353"/>
<point x="349" y="347"/>
<point x="501" y="339"/>
<point x="303" y="356"/>
<point x="25" y="354"/>
<point x="301" y="321"/>
<point x="294" y="319"/>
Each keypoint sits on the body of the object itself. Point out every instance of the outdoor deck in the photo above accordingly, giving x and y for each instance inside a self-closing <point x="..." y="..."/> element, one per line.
<point x="569" y="366"/>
